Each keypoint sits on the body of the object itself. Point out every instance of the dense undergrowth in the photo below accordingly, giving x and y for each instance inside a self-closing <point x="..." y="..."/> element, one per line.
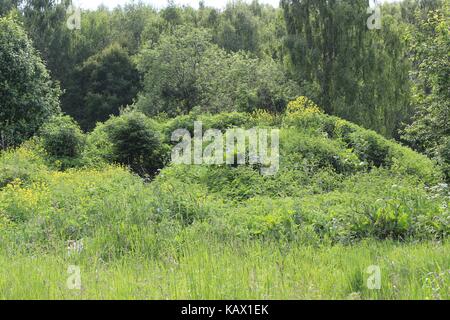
<point x="338" y="184"/>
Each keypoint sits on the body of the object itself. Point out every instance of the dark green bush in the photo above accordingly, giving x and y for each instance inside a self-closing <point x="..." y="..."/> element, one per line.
<point x="62" y="137"/>
<point x="317" y="152"/>
<point x="343" y="129"/>
<point x="370" y="147"/>
<point x="100" y="86"/>
<point x="135" y="141"/>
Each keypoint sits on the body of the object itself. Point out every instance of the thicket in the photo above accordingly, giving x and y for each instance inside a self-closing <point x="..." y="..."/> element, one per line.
<point x="338" y="183"/>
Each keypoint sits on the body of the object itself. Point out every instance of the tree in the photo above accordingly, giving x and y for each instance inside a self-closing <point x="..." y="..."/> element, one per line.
<point x="102" y="85"/>
<point x="28" y="97"/>
<point x="430" y="130"/>
<point x="351" y="71"/>
<point x="238" y="29"/>
<point x="187" y="70"/>
<point x="129" y="23"/>
<point x="170" y="71"/>
<point x="45" y="23"/>
<point x="7" y="5"/>
<point x="238" y="82"/>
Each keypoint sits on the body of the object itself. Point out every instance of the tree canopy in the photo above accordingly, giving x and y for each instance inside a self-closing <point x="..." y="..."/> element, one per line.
<point x="28" y="97"/>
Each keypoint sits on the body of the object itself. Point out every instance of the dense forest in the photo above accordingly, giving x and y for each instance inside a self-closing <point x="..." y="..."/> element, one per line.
<point x="88" y="102"/>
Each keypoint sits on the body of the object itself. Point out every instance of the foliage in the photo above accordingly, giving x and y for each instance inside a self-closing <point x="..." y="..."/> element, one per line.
<point x="7" y="5"/>
<point x="29" y="97"/>
<point x="132" y="140"/>
<point x="103" y="84"/>
<point x="353" y="72"/>
<point x="430" y="131"/>
<point x="62" y="139"/>
<point x="170" y="70"/>
<point x="185" y="69"/>
<point x="23" y="163"/>
<point x="239" y="29"/>
<point x="45" y="21"/>
<point x="302" y="105"/>
<point x="344" y="197"/>
<point x="238" y="82"/>
<point x="327" y="189"/>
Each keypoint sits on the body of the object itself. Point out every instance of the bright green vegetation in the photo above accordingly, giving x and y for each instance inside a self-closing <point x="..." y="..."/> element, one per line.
<point x="212" y="269"/>
<point x="86" y="118"/>
<point x="344" y="199"/>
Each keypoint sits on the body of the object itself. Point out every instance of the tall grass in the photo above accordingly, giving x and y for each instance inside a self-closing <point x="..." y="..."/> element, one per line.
<point x="210" y="269"/>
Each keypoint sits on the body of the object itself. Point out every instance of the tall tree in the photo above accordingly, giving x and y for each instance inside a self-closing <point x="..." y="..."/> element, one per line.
<point x="430" y="131"/>
<point x="238" y="29"/>
<point x="100" y="86"/>
<point x="240" y="82"/>
<point x="27" y="96"/>
<point x="45" y="23"/>
<point x="351" y="71"/>
<point x="170" y="69"/>
<point x="8" y="5"/>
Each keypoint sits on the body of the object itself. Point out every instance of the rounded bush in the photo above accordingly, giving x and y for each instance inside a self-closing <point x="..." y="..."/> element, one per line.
<point x="135" y="141"/>
<point x="62" y="137"/>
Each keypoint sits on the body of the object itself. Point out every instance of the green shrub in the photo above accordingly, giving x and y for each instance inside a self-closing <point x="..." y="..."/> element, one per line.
<point x="62" y="138"/>
<point x="133" y="140"/>
<point x="98" y="150"/>
<point x="323" y="193"/>
<point x="318" y="152"/>
<point x="24" y="163"/>
<point x="100" y="86"/>
<point x="405" y="161"/>
<point x="370" y="148"/>
<point x="302" y="105"/>
<point x="343" y="129"/>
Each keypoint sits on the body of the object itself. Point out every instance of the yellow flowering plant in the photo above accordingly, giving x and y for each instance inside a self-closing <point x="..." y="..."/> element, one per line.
<point x="303" y="106"/>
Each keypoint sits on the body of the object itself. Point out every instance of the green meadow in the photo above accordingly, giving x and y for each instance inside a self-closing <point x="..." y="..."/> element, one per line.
<point x="212" y="269"/>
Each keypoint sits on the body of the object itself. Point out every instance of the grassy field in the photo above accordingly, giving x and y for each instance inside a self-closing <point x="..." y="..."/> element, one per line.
<point x="252" y="270"/>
